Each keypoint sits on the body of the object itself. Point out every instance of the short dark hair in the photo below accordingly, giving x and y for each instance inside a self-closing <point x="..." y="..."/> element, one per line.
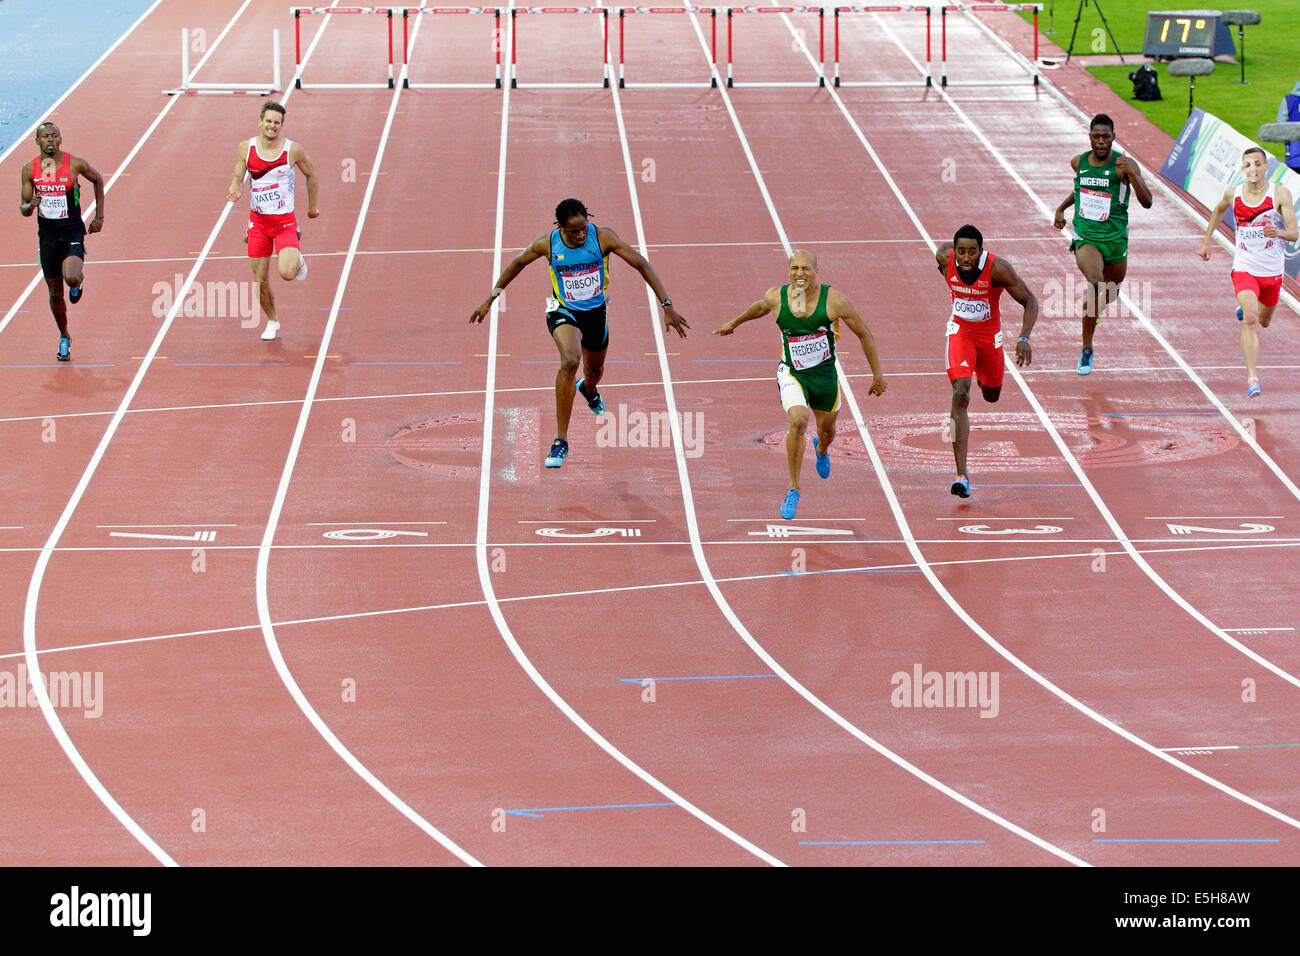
<point x="271" y="105"/>
<point x="968" y="232"/>
<point x="1254" y="149"/>
<point x="569" y="208"/>
<point x="42" y="126"/>
<point x="1101" y="119"/>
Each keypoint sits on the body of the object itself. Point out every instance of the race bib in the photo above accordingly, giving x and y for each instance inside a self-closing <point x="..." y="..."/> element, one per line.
<point x="952" y="327"/>
<point x="971" y="310"/>
<point x="552" y="304"/>
<point x="1094" y="205"/>
<point x="997" y="339"/>
<point x="1252" y="239"/>
<point x="267" y="201"/>
<point x="582" y="284"/>
<point x="807" y="351"/>
<point x="54" y="207"/>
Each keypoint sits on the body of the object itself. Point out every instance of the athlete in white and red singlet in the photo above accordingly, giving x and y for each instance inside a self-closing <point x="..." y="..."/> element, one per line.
<point x="269" y="160"/>
<point x="1265" y="222"/>
<point x="976" y="279"/>
<point x="50" y="190"/>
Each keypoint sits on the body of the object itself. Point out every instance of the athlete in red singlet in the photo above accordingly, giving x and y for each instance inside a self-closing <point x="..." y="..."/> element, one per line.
<point x="49" y="189"/>
<point x="1265" y="218"/>
<point x="269" y="160"/>
<point x="976" y="279"/>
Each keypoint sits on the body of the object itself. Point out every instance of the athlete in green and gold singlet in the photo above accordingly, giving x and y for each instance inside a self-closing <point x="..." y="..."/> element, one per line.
<point x="808" y="316"/>
<point x="1104" y="180"/>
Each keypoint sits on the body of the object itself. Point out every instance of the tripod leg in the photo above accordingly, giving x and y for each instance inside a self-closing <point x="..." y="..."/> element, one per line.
<point x="1069" y="51"/>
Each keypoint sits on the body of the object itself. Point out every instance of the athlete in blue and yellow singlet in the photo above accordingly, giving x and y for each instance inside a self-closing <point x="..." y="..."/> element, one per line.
<point x="578" y="255"/>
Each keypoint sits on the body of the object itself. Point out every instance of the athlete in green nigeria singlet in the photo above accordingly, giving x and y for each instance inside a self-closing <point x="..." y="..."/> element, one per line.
<point x="1101" y="207"/>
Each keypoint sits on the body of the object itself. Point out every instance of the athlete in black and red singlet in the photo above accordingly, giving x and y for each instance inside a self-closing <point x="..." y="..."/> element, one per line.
<point x="269" y="160"/>
<point x="976" y="279"/>
<point x="50" y="189"/>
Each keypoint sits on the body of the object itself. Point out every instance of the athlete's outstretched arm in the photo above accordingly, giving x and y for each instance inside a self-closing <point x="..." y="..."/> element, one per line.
<point x="241" y="168"/>
<point x="1286" y="208"/>
<point x="1003" y="274"/>
<point x="610" y="242"/>
<point x="1059" y="220"/>
<point x="537" y="249"/>
<point x="27" y="194"/>
<point x="839" y="307"/>
<point x="93" y="175"/>
<point x="1215" y="216"/>
<point x="1130" y="173"/>
<point x="770" y="302"/>
<point x="298" y="157"/>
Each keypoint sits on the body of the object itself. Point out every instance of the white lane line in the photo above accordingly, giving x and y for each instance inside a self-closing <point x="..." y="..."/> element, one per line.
<point x="31" y="130"/>
<point x="196" y="524"/>
<point x="548" y="388"/>
<point x="277" y="505"/>
<point x="43" y="559"/>
<point x="938" y="585"/>
<point x="1055" y="435"/>
<point x="699" y="582"/>
<point x="139" y="144"/>
<point x="688" y="499"/>
<point x="1244" y="433"/>
<point x="485" y="580"/>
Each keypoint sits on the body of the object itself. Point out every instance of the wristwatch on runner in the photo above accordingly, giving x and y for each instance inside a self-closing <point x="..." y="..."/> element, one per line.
<point x="665" y="303"/>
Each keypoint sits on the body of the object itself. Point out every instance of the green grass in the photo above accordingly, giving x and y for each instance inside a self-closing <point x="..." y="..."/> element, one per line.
<point x="1272" y="60"/>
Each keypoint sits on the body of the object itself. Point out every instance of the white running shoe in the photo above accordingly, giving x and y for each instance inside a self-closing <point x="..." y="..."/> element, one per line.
<point x="271" y="331"/>
<point x="302" y="267"/>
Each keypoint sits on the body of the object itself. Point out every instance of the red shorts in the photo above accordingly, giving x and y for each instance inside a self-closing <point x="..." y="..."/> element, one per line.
<point x="975" y="348"/>
<point x="271" y="233"/>
<point x="1266" y="288"/>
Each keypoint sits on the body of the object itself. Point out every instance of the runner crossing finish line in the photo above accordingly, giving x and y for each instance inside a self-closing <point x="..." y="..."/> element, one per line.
<point x="808" y="317"/>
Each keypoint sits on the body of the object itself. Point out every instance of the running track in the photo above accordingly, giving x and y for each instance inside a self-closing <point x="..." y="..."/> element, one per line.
<point x="405" y="699"/>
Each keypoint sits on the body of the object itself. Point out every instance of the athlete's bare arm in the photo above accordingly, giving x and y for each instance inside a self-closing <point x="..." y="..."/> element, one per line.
<point x="770" y="302"/>
<point x="1004" y="274"/>
<point x="27" y="193"/>
<point x="1130" y="173"/>
<point x="298" y="157"/>
<point x="1059" y="220"/>
<point x="241" y="168"/>
<point x="79" y="167"/>
<point x="941" y="256"/>
<point x="839" y="307"/>
<point x="537" y="249"/>
<point x="1286" y="209"/>
<point x="611" y="243"/>
<point x="1216" y="215"/>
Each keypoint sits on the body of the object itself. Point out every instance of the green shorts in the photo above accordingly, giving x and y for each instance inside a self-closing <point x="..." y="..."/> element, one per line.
<point x="1112" y="250"/>
<point x="817" y="388"/>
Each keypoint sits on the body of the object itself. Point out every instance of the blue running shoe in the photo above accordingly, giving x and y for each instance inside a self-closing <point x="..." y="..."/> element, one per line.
<point x="64" y="353"/>
<point x="790" y="505"/>
<point x="595" y="403"/>
<point x="74" y="294"/>
<point x="1085" y="362"/>
<point x="1240" y="317"/>
<point x="559" y="451"/>
<point x="961" y="487"/>
<point x="1252" y="388"/>
<point x="823" y="461"/>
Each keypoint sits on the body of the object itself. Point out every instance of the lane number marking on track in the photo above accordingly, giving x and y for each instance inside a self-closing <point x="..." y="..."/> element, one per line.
<point x="985" y="529"/>
<point x="196" y="536"/>
<point x="369" y="534"/>
<point x="593" y="533"/>
<point x="790" y="530"/>
<point x="1251" y="528"/>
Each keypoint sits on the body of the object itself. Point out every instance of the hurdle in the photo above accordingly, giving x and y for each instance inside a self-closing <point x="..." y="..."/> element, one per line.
<point x="821" y="46"/>
<point x="515" y="12"/>
<point x="189" y="87"/>
<point x="968" y="9"/>
<point x="907" y="8"/>
<point x="495" y="12"/>
<point x="299" y="12"/>
<point x="713" y="29"/>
